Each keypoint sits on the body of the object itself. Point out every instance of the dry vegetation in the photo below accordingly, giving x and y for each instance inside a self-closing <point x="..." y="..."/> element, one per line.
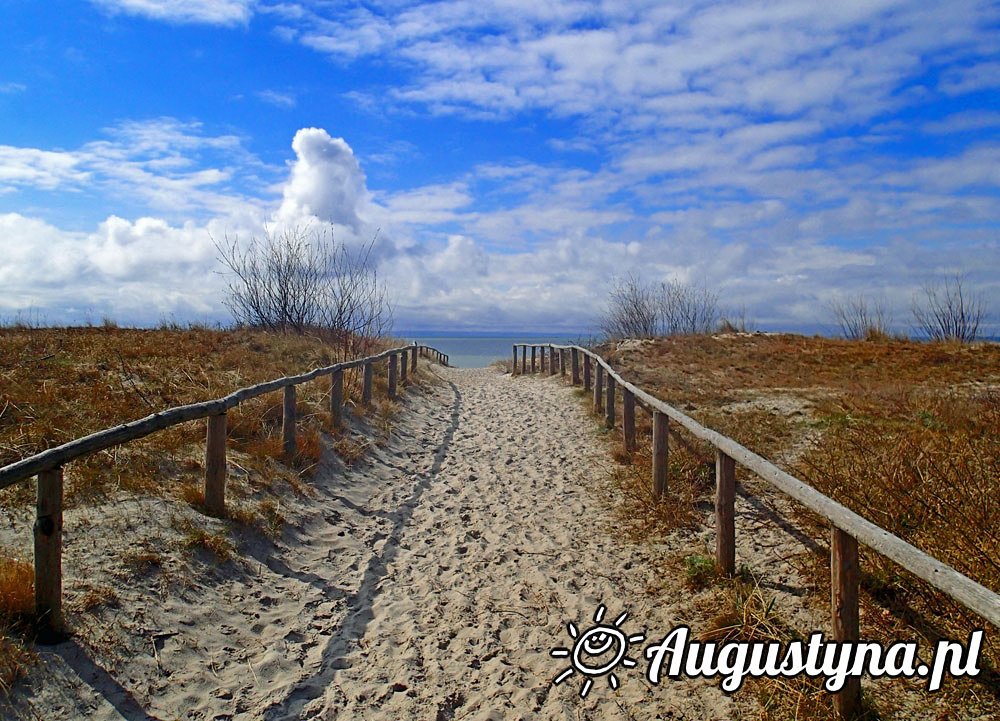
<point x="904" y="433"/>
<point x="61" y="384"/>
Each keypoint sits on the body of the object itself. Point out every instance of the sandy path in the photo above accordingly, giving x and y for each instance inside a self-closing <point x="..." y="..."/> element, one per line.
<point x="429" y="582"/>
<point x="472" y="579"/>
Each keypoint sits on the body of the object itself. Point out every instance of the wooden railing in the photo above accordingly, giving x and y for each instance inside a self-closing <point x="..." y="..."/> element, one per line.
<point x="847" y="527"/>
<point x="48" y="465"/>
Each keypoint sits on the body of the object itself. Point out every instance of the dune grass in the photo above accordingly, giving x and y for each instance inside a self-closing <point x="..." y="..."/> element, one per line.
<point x="58" y="384"/>
<point x="904" y="433"/>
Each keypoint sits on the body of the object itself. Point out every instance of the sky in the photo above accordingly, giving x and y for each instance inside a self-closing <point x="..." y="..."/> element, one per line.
<point x="513" y="157"/>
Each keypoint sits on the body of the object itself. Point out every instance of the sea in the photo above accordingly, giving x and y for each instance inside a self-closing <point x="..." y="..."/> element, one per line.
<point x="479" y="351"/>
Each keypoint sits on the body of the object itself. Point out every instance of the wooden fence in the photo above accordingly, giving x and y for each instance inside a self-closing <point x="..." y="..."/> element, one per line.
<point x="847" y="527"/>
<point x="48" y="465"/>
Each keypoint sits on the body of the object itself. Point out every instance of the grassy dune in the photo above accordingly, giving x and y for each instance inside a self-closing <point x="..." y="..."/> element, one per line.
<point x="903" y="433"/>
<point x="57" y="384"/>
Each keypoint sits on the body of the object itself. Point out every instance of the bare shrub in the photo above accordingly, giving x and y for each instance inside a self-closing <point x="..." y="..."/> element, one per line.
<point x="737" y="320"/>
<point x="861" y="318"/>
<point x="687" y="309"/>
<point x="302" y="280"/>
<point x="639" y="310"/>
<point x="948" y="311"/>
<point x="633" y="310"/>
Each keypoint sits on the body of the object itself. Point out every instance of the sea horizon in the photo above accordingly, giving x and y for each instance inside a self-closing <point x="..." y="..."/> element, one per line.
<point x="479" y="351"/>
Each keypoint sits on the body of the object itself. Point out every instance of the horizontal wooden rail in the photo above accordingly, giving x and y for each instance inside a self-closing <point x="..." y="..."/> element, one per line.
<point x="98" y="441"/>
<point x="848" y="528"/>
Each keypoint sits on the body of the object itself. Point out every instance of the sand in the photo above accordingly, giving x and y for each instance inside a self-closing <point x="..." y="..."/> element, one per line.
<point x="429" y="581"/>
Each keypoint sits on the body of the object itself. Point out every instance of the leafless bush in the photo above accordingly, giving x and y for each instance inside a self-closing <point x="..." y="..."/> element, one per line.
<point x="949" y="312"/>
<point x="687" y="309"/>
<point x="302" y="280"/>
<point x="860" y="317"/>
<point x="737" y="320"/>
<point x="638" y="310"/>
<point x="633" y="310"/>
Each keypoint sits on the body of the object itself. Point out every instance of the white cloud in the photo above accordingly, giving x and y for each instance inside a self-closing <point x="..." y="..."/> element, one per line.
<point x="980" y="76"/>
<point x="964" y="121"/>
<point x="431" y="204"/>
<point x="326" y="183"/>
<point x="638" y="58"/>
<point x="277" y="99"/>
<point x="39" y="168"/>
<point x="212" y="12"/>
<point x="168" y="165"/>
<point x="511" y="245"/>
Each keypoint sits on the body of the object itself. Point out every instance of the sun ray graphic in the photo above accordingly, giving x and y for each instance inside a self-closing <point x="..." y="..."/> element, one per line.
<point x="592" y="649"/>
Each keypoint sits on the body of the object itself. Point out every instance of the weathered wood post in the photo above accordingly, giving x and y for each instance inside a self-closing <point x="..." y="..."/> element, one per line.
<point x="609" y="405"/>
<point x="586" y="373"/>
<point x="215" y="465"/>
<point x="844" y="603"/>
<point x="575" y="357"/>
<point x="552" y="361"/>
<point x="404" y="366"/>
<point x="628" y="419"/>
<point x="288" y="422"/>
<point x="366" y="383"/>
<point x="524" y="359"/>
<point x="337" y="398"/>
<point x="542" y="368"/>
<point x="513" y="366"/>
<point x="562" y="361"/>
<point x="392" y="376"/>
<point x="599" y="389"/>
<point x="534" y="368"/>
<point x="661" y="426"/>
<point x="48" y="554"/>
<point x="725" y="513"/>
<point x="413" y="359"/>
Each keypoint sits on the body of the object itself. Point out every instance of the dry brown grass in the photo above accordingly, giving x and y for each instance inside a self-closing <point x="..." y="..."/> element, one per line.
<point x="17" y="589"/>
<point x="904" y="433"/>
<point x="17" y="601"/>
<point x="60" y="384"/>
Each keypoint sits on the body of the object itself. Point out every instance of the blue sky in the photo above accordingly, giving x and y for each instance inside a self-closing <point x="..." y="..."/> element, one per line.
<point x="514" y="156"/>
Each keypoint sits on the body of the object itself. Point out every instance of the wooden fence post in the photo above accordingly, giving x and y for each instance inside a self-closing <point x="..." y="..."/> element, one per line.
<point x="337" y="398"/>
<point x="725" y="513"/>
<point x="552" y="361"/>
<point x="562" y="361"/>
<point x="513" y="366"/>
<point x="628" y="419"/>
<point x="599" y="389"/>
<point x="575" y="357"/>
<point x="404" y="366"/>
<point x="413" y="359"/>
<point x="215" y="465"/>
<point x="48" y="554"/>
<point x="392" y="376"/>
<point x="366" y="383"/>
<point x="661" y="427"/>
<point x="524" y="359"/>
<point x="288" y="422"/>
<point x="609" y="405"/>
<point x="844" y="603"/>
<point x="534" y="367"/>
<point x="586" y="373"/>
<point x="542" y="368"/>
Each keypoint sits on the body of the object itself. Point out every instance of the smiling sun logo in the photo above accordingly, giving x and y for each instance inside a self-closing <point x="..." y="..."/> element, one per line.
<point x="597" y="651"/>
